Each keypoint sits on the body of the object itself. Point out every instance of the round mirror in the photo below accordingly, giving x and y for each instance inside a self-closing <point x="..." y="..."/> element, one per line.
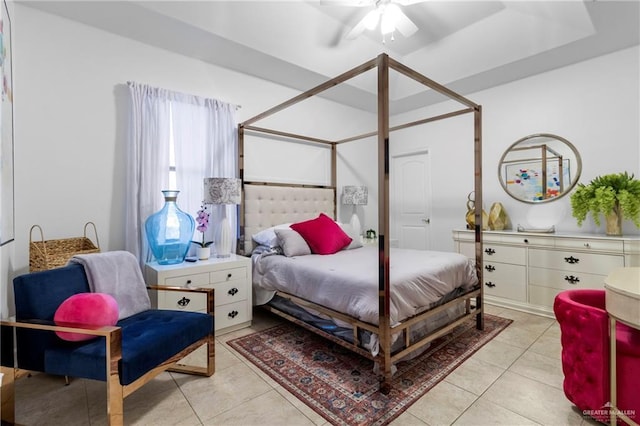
<point x="539" y="168"/>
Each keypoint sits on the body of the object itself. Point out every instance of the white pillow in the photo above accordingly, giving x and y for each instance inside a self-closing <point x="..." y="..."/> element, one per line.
<point x="292" y="243"/>
<point x="267" y="237"/>
<point x="355" y="238"/>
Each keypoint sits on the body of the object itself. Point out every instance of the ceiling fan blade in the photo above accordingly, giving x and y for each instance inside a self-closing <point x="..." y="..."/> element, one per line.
<point x="351" y="3"/>
<point x="357" y="30"/>
<point x="404" y="25"/>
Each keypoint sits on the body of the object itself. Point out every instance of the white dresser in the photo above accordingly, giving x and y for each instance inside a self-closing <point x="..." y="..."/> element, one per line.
<point x="526" y="271"/>
<point x="231" y="278"/>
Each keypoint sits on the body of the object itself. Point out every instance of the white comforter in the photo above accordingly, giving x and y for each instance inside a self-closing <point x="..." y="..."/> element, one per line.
<point x="347" y="281"/>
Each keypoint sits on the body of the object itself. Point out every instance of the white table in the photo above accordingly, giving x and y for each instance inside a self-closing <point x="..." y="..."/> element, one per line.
<point x="622" y="288"/>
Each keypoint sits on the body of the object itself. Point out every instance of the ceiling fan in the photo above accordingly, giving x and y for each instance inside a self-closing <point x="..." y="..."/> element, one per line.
<point x="387" y="13"/>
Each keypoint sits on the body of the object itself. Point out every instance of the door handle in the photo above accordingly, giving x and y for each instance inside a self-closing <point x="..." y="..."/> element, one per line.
<point x="426" y="220"/>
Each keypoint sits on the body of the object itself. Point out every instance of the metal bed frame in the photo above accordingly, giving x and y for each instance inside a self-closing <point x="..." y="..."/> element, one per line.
<point x="383" y="63"/>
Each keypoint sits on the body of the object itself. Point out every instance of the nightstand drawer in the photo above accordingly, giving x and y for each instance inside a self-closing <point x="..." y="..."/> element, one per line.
<point x="227" y="275"/>
<point x="190" y="281"/>
<point x="230" y="292"/>
<point x="182" y="301"/>
<point x="231" y="314"/>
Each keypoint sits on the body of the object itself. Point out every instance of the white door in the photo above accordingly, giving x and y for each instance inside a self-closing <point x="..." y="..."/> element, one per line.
<point x="410" y="200"/>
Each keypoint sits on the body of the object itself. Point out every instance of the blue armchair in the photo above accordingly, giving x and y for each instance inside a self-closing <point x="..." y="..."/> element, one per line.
<point x="125" y="356"/>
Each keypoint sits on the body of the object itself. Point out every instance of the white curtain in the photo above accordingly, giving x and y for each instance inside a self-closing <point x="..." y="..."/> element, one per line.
<point x="204" y="133"/>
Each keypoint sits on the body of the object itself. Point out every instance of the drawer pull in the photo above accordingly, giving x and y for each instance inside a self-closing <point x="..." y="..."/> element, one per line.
<point x="489" y="284"/>
<point x="183" y="302"/>
<point x="572" y="260"/>
<point x="587" y="245"/>
<point x="526" y="241"/>
<point x="490" y="251"/>
<point x="188" y="283"/>
<point x="229" y="275"/>
<point x="233" y="291"/>
<point x="233" y="314"/>
<point x="490" y="268"/>
<point x="572" y="279"/>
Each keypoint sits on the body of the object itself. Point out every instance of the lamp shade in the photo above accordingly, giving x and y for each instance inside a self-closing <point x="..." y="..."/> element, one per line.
<point x="222" y="190"/>
<point x="354" y="195"/>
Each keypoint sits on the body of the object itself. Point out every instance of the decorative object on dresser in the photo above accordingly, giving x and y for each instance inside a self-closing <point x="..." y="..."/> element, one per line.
<point x="470" y="217"/>
<point x="355" y="196"/>
<point x="342" y="386"/>
<point x="229" y="276"/>
<point x="223" y="191"/>
<point x="202" y="218"/>
<point x="498" y="219"/>
<point x="526" y="271"/>
<point x="539" y="168"/>
<point x="616" y="196"/>
<point x="169" y="231"/>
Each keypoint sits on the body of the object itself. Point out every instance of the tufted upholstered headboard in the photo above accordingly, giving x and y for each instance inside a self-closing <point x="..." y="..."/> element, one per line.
<point x="266" y="206"/>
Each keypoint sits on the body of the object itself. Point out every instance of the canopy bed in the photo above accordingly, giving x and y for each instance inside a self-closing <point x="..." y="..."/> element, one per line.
<point x="398" y="324"/>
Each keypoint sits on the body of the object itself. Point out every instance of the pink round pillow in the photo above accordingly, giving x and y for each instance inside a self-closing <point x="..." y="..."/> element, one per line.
<point x="92" y="309"/>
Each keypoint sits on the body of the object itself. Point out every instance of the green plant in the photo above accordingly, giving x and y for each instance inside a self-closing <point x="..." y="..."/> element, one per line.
<point x="618" y="192"/>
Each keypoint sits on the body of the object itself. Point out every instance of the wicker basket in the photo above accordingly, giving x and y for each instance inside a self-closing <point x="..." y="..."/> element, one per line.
<point x="51" y="254"/>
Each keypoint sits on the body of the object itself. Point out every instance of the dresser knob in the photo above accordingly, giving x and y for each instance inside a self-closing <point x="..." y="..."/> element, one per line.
<point x="490" y="268"/>
<point x="490" y="251"/>
<point x="232" y="314"/>
<point x="233" y="291"/>
<point x="183" y="302"/>
<point x="188" y="283"/>
<point x="587" y="245"/>
<point x="571" y="279"/>
<point x="526" y="241"/>
<point x="572" y="260"/>
<point x="489" y="284"/>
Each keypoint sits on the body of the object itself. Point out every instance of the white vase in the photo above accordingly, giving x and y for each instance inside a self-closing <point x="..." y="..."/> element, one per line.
<point x="204" y="253"/>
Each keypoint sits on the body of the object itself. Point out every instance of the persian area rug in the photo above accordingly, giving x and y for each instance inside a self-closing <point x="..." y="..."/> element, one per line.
<point x="341" y="385"/>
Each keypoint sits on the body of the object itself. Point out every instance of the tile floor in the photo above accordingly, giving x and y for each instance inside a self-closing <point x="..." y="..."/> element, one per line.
<point x="516" y="379"/>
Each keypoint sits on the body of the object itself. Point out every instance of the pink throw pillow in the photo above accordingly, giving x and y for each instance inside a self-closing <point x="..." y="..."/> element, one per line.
<point x="91" y="309"/>
<point x="322" y="234"/>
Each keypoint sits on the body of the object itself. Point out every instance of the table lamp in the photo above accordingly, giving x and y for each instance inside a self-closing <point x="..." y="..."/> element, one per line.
<point x="223" y="191"/>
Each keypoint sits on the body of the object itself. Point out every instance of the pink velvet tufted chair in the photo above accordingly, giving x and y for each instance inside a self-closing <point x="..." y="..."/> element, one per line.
<point x="584" y="325"/>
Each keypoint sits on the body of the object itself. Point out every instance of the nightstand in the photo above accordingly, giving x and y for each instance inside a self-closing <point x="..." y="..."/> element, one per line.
<point x="229" y="276"/>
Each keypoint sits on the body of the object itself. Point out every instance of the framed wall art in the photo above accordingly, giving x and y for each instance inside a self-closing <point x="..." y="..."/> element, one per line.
<point x="7" y="210"/>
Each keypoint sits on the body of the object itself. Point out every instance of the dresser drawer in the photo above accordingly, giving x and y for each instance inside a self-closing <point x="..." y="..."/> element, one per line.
<point x="182" y="301"/>
<point x="228" y="275"/>
<point x="542" y="296"/>
<point x="505" y="280"/>
<point x="231" y="314"/>
<point x="588" y="245"/>
<point x="192" y="281"/>
<point x="572" y="261"/>
<point x="467" y="249"/>
<point x="504" y="254"/>
<point x="564" y="280"/>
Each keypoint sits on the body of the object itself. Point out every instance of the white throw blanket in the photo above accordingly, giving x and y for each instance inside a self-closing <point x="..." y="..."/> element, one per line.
<point x="116" y="273"/>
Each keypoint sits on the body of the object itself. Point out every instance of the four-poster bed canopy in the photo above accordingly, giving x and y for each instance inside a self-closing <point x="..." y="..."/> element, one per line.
<point x="322" y="198"/>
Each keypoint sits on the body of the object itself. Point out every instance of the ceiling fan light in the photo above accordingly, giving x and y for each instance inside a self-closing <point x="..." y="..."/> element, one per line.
<point x="389" y="20"/>
<point x="371" y="19"/>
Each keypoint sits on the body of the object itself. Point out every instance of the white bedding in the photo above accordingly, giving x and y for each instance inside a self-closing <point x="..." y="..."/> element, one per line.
<point x="347" y="281"/>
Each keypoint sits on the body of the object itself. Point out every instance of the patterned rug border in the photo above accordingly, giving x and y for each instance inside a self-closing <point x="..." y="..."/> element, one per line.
<point x="406" y="402"/>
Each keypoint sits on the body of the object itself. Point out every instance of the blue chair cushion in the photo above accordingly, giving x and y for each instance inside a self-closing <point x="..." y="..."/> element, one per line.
<point x="149" y="338"/>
